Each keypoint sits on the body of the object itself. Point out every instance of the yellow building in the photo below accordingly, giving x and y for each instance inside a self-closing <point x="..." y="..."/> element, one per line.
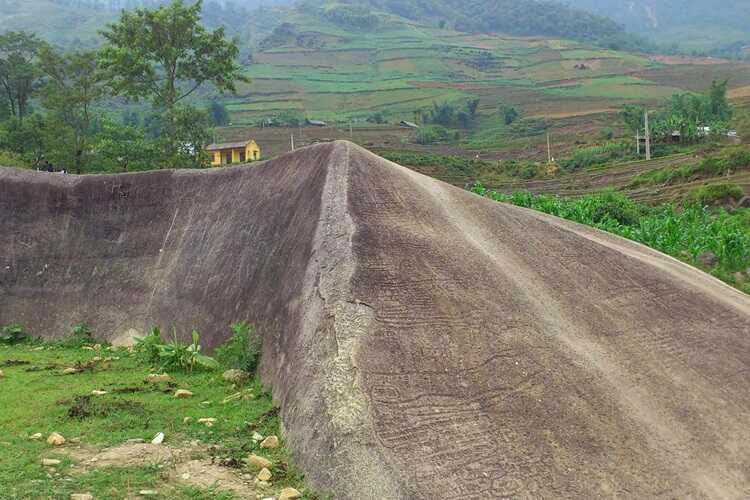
<point x="233" y="152"/>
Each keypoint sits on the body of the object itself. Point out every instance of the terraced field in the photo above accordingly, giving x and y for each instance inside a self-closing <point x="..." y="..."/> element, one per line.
<point x="326" y="72"/>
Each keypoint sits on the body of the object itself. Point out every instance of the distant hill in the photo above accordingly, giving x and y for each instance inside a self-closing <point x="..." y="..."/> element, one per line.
<point x="693" y="24"/>
<point x="514" y="17"/>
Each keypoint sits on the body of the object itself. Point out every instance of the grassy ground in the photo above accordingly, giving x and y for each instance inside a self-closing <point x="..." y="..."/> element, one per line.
<point x="38" y="398"/>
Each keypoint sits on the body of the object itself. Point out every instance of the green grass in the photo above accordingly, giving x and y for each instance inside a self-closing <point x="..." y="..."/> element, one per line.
<point x="708" y="195"/>
<point x="730" y="160"/>
<point x="38" y="398"/>
<point x="684" y="232"/>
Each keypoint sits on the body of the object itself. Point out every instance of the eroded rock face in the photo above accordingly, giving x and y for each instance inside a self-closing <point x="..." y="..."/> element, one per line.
<point x="423" y="342"/>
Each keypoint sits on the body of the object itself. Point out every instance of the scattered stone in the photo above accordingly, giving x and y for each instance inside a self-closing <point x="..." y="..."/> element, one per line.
<point x="231" y="398"/>
<point x="87" y="348"/>
<point x="289" y="494"/>
<point x="98" y="393"/>
<point x="182" y="393"/>
<point x="270" y="498"/>
<point x="259" y="462"/>
<point x="270" y="442"/>
<point x="264" y="475"/>
<point x="81" y="496"/>
<point x="264" y="485"/>
<point x="205" y="403"/>
<point x="708" y="259"/>
<point x="36" y="436"/>
<point x="70" y="371"/>
<point x="208" y="422"/>
<point x="158" y="377"/>
<point x="187" y="420"/>
<point x="257" y="436"/>
<point x="236" y="375"/>
<point x="50" y="462"/>
<point x="2" y="375"/>
<point x="56" y="439"/>
<point x="148" y="493"/>
<point x="158" y="439"/>
<point x="185" y="476"/>
<point x="136" y="441"/>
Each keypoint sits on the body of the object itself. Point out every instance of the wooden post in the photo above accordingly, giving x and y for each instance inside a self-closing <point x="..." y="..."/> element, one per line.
<point x="292" y="141"/>
<point x="648" y="139"/>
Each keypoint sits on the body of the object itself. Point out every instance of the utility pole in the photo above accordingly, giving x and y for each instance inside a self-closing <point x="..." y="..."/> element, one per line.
<point x="549" y="149"/>
<point x="648" y="139"/>
<point x="292" y="141"/>
<point x="351" y="130"/>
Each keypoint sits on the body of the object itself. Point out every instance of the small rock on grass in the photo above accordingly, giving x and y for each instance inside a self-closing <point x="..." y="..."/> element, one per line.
<point x="289" y="494"/>
<point x="270" y="442"/>
<point x="36" y="436"/>
<point x="81" y="496"/>
<point x="158" y="377"/>
<point x="148" y="493"/>
<point x="259" y="462"/>
<point x="2" y="375"/>
<point x="56" y="439"/>
<point x="71" y="371"/>
<point x="235" y="375"/>
<point x="158" y="439"/>
<point x="208" y="422"/>
<point x="98" y="393"/>
<point x="50" y="462"/>
<point x="257" y="437"/>
<point x="182" y="393"/>
<point x="264" y="475"/>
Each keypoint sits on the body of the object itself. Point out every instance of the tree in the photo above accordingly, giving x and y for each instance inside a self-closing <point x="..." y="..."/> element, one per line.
<point x="189" y="134"/>
<point x="165" y="55"/>
<point x="472" y="106"/>
<point x="509" y="113"/>
<point x="632" y="116"/>
<point x="123" y="148"/>
<point x="718" y="103"/>
<point x="219" y="114"/>
<point x="18" y="70"/>
<point x="73" y="86"/>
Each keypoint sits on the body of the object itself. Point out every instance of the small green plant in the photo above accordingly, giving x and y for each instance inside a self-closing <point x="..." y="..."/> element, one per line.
<point x="242" y="350"/>
<point x="147" y="348"/>
<point x="13" y="334"/>
<point x="187" y="357"/>
<point x="80" y="335"/>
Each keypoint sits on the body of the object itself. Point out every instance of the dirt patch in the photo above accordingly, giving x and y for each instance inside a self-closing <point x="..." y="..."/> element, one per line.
<point x="204" y="474"/>
<point x="84" y="407"/>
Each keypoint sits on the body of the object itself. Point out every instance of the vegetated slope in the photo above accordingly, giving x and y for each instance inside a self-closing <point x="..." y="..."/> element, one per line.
<point x="514" y="17"/>
<point x="423" y="342"/>
<point x="688" y="23"/>
<point x="313" y="66"/>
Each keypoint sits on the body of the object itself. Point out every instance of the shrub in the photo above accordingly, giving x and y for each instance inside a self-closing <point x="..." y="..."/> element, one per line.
<point x="147" y="349"/>
<point x="707" y="195"/>
<point x="185" y="357"/>
<point x="80" y="336"/>
<point x="433" y="134"/>
<point x="242" y="351"/>
<point x="13" y="334"/>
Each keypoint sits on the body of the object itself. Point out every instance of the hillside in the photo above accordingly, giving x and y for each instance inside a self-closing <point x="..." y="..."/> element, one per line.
<point x="689" y="24"/>
<point x="323" y="69"/>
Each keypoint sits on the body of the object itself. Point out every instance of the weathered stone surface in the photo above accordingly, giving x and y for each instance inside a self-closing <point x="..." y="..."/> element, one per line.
<point x="56" y="439"/>
<point x="182" y="393"/>
<point x="264" y="475"/>
<point x="422" y="342"/>
<point x="270" y="442"/>
<point x="259" y="462"/>
<point x="289" y="494"/>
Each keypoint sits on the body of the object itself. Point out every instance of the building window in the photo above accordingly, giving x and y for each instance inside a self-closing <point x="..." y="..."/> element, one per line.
<point x="242" y="157"/>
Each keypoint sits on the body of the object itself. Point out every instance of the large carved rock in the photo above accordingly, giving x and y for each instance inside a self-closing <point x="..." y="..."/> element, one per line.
<point x="424" y="343"/>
